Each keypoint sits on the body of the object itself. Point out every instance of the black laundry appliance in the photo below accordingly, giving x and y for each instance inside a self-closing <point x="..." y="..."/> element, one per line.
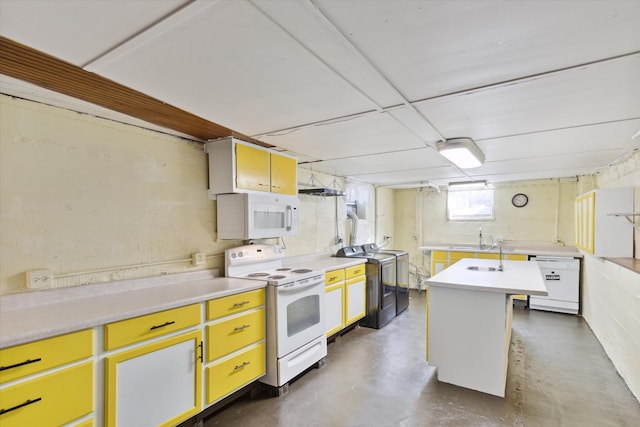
<point x="402" y="273"/>
<point x="381" y="285"/>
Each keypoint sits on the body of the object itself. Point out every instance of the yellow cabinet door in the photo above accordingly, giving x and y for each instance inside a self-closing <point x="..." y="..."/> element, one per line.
<point x="157" y="384"/>
<point x="229" y="374"/>
<point x="284" y="175"/>
<point x="585" y="222"/>
<point x="50" y="400"/>
<point x="232" y="334"/>
<point x="37" y="356"/>
<point x="252" y="168"/>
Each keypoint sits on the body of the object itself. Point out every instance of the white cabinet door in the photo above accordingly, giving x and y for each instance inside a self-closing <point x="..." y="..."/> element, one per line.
<point x="333" y="308"/>
<point x="156" y="384"/>
<point x="356" y="299"/>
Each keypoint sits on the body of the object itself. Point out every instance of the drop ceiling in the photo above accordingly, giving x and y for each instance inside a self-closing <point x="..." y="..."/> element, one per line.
<point x="364" y="89"/>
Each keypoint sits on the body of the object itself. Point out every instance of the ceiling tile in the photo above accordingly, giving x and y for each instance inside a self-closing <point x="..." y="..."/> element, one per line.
<point x="355" y="136"/>
<point x="232" y="65"/>
<point x="429" y="48"/>
<point x="597" y="93"/>
<point x="79" y="31"/>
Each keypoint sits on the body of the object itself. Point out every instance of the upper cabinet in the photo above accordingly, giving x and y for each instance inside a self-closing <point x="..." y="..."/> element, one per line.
<point x="599" y="233"/>
<point x="236" y="166"/>
<point x="284" y="174"/>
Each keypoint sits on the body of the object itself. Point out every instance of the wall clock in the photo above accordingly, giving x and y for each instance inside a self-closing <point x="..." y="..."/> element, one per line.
<point x="519" y="200"/>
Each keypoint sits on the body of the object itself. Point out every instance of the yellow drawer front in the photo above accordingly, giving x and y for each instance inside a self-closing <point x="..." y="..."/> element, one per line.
<point x="484" y="255"/>
<point x="232" y="304"/>
<point x="333" y="276"/>
<point x="457" y="256"/>
<point x="51" y="400"/>
<point x="88" y="423"/>
<point x="439" y="254"/>
<point x="142" y="328"/>
<point x="230" y="335"/>
<point x="227" y="375"/>
<point x="517" y="257"/>
<point x="37" y="356"/>
<point x="358" y="270"/>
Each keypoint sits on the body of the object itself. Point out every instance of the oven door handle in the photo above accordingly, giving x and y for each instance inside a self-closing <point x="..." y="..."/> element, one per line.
<point x="297" y="287"/>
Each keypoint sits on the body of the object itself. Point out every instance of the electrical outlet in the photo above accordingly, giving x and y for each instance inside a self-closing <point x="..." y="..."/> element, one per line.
<point x="199" y="258"/>
<point x="38" y="279"/>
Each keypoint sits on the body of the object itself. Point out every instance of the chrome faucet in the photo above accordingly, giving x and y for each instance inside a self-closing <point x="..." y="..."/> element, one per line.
<point x="481" y="245"/>
<point x="501" y="266"/>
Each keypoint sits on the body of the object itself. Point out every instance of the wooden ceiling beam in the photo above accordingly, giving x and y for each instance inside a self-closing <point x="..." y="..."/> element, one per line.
<point x="38" y="68"/>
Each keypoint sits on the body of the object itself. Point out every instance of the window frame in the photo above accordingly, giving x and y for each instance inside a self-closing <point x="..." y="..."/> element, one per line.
<point x="459" y="217"/>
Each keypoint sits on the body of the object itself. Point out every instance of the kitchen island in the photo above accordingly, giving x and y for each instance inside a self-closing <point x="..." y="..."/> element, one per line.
<point x="469" y="320"/>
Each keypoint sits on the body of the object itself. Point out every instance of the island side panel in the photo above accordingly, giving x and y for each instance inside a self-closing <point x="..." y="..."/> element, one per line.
<point x="468" y="332"/>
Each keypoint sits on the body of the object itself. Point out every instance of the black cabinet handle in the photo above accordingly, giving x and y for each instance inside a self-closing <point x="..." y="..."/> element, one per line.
<point x="26" y="362"/>
<point x="161" y="326"/>
<point x="22" y="405"/>
<point x="201" y="357"/>
<point x="240" y="304"/>
<point x="235" y="368"/>
<point x="240" y="328"/>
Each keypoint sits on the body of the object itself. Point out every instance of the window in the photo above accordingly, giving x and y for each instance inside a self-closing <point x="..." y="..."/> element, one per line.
<point x="464" y="205"/>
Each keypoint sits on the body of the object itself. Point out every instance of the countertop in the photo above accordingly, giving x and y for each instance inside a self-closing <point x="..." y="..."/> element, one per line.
<point x="507" y="248"/>
<point x="517" y="278"/>
<point x="37" y="315"/>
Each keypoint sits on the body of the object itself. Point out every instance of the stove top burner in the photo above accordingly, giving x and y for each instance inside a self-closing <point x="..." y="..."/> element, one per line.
<point x="302" y="270"/>
<point x="257" y="274"/>
<point x="276" y="277"/>
<point x="283" y="269"/>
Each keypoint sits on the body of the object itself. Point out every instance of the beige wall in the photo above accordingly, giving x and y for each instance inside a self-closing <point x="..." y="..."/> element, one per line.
<point x="547" y="218"/>
<point x="95" y="200"/>
<point x="611" y="293"/>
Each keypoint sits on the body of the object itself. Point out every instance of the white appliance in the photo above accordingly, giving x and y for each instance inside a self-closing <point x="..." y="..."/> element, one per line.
<point x="295" y="310"/>
<point x="562" y="278"/>
<point x="243" y="216"/>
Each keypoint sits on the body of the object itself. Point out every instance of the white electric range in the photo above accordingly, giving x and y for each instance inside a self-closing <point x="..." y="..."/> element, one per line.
<point x="295" y="310"/>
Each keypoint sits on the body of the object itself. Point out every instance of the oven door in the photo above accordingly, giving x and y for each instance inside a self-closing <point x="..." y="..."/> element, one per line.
<point x="299" y="313"/>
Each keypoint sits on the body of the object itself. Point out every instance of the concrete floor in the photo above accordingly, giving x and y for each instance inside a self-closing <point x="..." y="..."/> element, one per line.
<point x="558" y="375"/>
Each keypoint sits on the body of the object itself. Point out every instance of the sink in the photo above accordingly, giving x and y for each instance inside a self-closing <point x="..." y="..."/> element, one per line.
<point x="481" y="268"/>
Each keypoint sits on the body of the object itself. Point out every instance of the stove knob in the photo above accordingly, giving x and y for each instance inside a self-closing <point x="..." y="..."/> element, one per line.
<point x="233" y="255"/>
<point x="240" y="254"/>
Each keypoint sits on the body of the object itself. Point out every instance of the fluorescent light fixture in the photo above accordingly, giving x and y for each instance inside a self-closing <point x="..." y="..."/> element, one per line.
<point x="469" y="185"/>
<point x="462" y="152"/>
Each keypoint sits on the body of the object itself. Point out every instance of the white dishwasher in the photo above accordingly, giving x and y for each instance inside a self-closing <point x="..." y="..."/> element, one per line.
<point x="562" y="278"/>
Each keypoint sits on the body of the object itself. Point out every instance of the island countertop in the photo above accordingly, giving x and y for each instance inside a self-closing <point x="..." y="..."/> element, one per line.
<point x="518" y="277"/>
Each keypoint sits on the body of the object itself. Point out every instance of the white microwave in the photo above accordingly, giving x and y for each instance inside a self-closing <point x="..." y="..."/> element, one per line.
<point x="243" y="216"/>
